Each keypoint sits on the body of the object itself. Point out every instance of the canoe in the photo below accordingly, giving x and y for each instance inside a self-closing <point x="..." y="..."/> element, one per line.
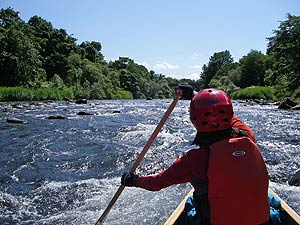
<point x="287" y="213"/>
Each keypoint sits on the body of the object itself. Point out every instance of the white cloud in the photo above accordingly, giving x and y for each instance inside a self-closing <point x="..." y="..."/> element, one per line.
<point x="165" y="66"/>
<point x="194" y="76"/>
<point x="195" y="54"/>
<point x="197" y="67"/>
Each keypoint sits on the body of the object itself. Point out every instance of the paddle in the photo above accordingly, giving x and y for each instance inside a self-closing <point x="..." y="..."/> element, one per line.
<point x="140" y="158"/>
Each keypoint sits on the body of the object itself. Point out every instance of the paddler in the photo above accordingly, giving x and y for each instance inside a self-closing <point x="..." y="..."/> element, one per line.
<point x="225" y="168"/>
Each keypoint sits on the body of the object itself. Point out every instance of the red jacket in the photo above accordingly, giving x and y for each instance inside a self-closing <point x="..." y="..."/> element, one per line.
<point x="194" y="165"/>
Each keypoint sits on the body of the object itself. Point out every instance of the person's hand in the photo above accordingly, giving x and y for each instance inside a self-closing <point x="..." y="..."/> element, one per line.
<point x="185" y="91"/>
<point x="129" y="179"/>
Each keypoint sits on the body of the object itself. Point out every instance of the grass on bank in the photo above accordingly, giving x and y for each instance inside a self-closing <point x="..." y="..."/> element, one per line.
<point x="254" y="92"/>
<point x="41" y="94"/>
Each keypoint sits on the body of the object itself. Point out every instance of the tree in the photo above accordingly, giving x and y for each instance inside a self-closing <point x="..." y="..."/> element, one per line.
<point x="9" y="17"/>
<point x="216" y="62"/>
<point x="35" y="54"/>
<point x="92" y="51"/>
<point x="252" y="69"/>
<point x="40" y="33"/>
<point x="75" y="67"/>
<point x="19" y="59"/>
<point x="129" y="82"/>
<point x="285" y="47"/>
<point x="42" y="28"/>
<point x="91" y="73"/>
<point x="235" y="75"/>
<point x="55" y="46"/>
<point x="121" y="63"/>
<point x="135" y="78"/>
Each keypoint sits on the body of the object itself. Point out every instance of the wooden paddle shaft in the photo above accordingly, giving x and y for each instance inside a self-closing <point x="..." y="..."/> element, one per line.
<point x="139" y="159"/>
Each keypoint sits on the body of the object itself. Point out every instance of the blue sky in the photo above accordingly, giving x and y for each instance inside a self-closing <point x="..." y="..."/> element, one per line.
<point x="171" y="37"/>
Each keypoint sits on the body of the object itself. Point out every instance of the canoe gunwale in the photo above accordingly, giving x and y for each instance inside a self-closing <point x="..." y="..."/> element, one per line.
<point x="293" y="217"/>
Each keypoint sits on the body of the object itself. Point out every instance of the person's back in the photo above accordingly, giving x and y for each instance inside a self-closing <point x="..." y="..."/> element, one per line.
<point x="238" y="183"/>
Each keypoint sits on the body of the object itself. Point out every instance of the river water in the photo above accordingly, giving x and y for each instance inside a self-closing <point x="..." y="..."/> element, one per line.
<point x="66" y="171"/>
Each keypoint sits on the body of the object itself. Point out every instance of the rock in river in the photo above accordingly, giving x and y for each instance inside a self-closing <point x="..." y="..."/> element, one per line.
<point x="57" y="117"/>
<point x="14" y="120"/>
<point x="84" y="113"/>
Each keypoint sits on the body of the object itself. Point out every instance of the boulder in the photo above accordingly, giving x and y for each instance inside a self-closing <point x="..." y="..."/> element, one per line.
<point x="17" y="106"/>
<point x="287" y="104"/>
<point x="81" y="101"/>
<point x="68" y="99"/>
<point x="84" y="113"/>
<point x="297" y="107"/>
<point x="57" y="117"/>
<point x="14" y="120"/>
<point x="116" y="111"/>
<point x="295" y="179"/>
<point x="283" y="105"/>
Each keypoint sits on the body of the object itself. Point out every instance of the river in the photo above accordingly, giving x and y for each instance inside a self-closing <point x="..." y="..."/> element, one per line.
<point x="66" y="171"/>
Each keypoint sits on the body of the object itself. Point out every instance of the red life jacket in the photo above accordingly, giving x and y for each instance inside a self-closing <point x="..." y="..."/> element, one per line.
<point x="238" y="183"/>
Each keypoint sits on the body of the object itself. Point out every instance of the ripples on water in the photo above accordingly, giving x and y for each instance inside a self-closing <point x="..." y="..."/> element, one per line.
<point x="66" y="171"/>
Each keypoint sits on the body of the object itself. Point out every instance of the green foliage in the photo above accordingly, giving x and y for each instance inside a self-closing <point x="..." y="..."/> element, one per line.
<point x="15" y="94"/>
<point x="20" y="60"/>
<point x="38" y="56"/>
<point x="280" y="68"/>
<point x="57" y="83"/>
<point x="296" y="94"/>
<point x="284" y="46"/>
<point x="224" y="83"/>
<point x="92" y="51"/>
<point x="269" y="76"/>
<point x="121" y="94"/>
<point x="9" y="17"/>
<point x="266" y="93"/>
<point x="78" y="90"/>
<point x="215" y="83"/>
<point x="235" y="75"/>
<point x="97" y="91"/>
<point x="39" y="94"/>
<point x="46" y="59"/>
<point x="45" y="94"/>
<point x="252" y="69"/>
<point x="282" y="87"/>
<point x="39" y="80"/>
<point x="219" y="61"/>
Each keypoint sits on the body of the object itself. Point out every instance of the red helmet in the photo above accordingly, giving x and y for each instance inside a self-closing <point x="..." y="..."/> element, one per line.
<point x="211" y="110"/>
